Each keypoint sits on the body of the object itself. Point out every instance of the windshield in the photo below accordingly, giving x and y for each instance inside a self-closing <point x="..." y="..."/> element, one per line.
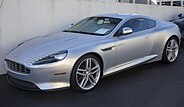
<point x="95" y="26"/>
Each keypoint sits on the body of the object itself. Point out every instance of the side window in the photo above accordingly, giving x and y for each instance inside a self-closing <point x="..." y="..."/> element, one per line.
<point x="151" y="23"/>
<point x="137" y="24"/>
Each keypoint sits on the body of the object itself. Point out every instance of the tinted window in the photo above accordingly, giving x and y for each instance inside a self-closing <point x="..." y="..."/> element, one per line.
<point x="151" y="23"/>
<point x="136" y="25"/>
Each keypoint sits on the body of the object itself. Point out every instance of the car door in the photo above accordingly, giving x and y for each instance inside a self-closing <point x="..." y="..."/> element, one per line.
<point x="135" y="45"/>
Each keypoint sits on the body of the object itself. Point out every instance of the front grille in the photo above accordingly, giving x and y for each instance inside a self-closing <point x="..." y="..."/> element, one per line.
<point x="14" y="66"/>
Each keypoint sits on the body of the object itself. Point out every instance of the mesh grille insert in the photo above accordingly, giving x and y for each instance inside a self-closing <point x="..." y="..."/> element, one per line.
<point x="14" y="66"/>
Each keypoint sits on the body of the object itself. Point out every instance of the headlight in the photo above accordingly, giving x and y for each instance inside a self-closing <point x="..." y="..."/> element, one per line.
<point x="51" y="58"/>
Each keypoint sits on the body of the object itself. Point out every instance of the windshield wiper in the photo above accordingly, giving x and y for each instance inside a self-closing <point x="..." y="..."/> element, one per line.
<point x="83" y="32"/>
<point x="72" y="31"/>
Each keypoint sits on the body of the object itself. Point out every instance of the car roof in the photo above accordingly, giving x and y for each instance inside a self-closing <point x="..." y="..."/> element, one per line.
<point x="124" y="16"/>
<point x="120" y="16"/>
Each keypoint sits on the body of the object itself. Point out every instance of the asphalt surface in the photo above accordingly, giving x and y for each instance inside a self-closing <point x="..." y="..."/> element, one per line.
<point x="150" y="85"/>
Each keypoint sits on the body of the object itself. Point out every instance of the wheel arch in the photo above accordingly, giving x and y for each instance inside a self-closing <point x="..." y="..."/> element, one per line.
<point x="173" y="36"/>
<point x="73" y="83"/>
<point x="176" y="37"/>
<point x="95" y="54"/>
<point x="169" y="37"/>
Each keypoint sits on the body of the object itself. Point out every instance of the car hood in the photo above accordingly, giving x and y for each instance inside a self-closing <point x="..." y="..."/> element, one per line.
<point x="42" y="46"/>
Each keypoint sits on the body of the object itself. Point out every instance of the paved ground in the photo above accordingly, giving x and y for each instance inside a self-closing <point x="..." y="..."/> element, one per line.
<point x="151" y="85"/>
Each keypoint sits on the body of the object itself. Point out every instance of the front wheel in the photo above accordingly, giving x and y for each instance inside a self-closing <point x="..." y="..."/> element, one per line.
<point x="171" y="51"/>
<point x="86" y="73"/>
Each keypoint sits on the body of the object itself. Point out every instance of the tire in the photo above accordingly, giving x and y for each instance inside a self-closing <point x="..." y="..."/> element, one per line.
<point x="85" y="76"/>
<point x="171" y="51"/>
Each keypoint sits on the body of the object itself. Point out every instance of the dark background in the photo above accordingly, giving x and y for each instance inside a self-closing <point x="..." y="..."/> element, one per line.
<point x="150" y="85"/>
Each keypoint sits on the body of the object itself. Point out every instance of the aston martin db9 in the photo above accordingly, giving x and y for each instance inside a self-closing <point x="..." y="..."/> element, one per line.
<point x="97" y="46"/>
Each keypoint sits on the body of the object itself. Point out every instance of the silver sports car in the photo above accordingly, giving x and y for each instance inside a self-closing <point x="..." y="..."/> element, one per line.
<point x="93" y="48"/>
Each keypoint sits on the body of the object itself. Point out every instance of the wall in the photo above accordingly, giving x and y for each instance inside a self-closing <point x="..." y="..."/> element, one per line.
<point x="24" y="19"/>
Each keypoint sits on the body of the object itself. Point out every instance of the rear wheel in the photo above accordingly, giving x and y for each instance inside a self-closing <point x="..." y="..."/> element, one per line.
<point x="86" y="73"/>
<point x="171" y="51"/>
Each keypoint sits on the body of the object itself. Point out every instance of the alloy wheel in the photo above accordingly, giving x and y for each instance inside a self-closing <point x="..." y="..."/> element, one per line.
<point x="88" y="73"/>
<point x="172" y="50"/>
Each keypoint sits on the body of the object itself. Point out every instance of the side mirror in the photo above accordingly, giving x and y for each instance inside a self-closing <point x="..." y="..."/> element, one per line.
<point x="126" y="30"/>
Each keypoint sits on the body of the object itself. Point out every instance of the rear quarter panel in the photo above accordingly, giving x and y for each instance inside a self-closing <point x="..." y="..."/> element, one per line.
<point x="162" y="33"/>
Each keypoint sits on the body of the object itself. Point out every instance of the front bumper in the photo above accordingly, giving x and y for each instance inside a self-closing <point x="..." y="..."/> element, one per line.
<point x="45" y="77"/>
<point x="22" y="84"/>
